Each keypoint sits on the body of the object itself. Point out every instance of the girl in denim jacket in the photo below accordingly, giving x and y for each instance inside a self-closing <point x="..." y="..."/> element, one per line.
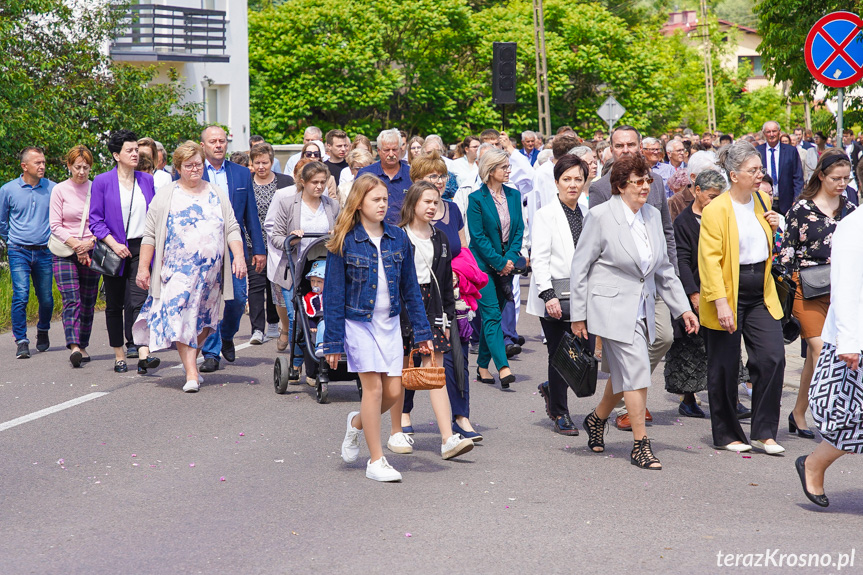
<point x="370" y="271"/>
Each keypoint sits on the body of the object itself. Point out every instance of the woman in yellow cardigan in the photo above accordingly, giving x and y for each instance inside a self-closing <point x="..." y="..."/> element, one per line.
<point x="738" y="299"/>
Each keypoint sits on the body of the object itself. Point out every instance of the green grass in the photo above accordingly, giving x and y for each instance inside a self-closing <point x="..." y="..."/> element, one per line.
<point x="32" y="304"/>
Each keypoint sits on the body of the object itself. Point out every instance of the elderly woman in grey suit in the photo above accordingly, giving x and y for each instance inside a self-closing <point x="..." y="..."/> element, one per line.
<point x="619" y="267"/>
<point x="308" y="211"/>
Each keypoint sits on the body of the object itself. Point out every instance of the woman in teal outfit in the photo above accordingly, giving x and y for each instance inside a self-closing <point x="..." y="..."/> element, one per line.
<point x="496" y="229"/>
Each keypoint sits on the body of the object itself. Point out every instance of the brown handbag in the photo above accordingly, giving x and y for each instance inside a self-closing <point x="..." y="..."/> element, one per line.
<point x="422" y="378"/>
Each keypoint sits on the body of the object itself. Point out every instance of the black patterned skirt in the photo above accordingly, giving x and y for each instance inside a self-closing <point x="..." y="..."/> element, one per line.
<point x="439" y="339"/>
<point x="686" y="365"/>
<point x="836" y="400"/>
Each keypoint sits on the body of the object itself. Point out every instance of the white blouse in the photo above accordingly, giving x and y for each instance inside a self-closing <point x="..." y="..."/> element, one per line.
<point x="423" y="256"/>
<point x="753" y="245"/>
<point x="138" y="219"/>
<point x="642" y="242"/>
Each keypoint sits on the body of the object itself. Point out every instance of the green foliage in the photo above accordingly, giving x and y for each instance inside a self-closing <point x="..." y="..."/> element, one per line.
<point x="58" y="88"/>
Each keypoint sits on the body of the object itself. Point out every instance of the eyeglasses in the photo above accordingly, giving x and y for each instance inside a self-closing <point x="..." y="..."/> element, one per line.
<point x="504" y="168"/>
<point x="312" y="154"/>
<point x="652" y="150"/>
<point x="641" y="181"/>
<point x="845" y="179"/>
<point x="755" y="171"/>
<point x="436" y="177"/>
<point x="193" y="167"/>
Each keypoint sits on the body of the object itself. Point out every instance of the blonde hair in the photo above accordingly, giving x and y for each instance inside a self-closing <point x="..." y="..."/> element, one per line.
<point x="186" y="151"/>
<point x="349" y="217"/>
<point x="360" y="156"/>
<point x="428" y="164"/>
<point x="491" y="159"/>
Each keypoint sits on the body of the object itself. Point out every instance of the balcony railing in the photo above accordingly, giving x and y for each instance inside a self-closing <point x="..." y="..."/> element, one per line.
<point x="149" y="32"/>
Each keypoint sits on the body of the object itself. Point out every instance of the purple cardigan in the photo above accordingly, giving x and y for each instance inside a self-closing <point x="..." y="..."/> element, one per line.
<point x="106" y="214"/>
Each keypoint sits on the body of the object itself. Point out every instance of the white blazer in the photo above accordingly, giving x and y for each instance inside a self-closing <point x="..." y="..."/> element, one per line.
<point x="844" y="324"/>
<point x="606" y="281"/>
<point x="551" y="252"/>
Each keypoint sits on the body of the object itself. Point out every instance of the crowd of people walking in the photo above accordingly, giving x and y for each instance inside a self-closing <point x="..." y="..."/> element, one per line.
<point x="646" y="249"/>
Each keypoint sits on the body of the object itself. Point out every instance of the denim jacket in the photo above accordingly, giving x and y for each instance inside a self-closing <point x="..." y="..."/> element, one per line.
<point x="351" y="284"/>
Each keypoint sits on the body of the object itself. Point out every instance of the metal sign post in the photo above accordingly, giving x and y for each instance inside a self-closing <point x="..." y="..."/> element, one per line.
<point x="834" y="55"/>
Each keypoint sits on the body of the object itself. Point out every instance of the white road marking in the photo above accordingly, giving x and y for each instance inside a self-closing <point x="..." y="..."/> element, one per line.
<point x="201" y="359"/>
<point x="50" y="410"/>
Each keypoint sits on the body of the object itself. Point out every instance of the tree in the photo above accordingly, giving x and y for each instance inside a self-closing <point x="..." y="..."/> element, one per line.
<point x="58" y="88"/>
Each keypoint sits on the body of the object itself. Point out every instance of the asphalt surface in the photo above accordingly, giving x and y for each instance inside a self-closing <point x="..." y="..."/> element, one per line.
<point x="236" y="479"/>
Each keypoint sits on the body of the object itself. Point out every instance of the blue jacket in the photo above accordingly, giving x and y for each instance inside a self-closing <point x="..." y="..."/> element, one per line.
<point x="351" y="285"/>
<point x="242" y="196"/>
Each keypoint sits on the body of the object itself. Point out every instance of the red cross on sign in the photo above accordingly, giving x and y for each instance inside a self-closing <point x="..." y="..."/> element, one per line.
<point x="834" y="50"/>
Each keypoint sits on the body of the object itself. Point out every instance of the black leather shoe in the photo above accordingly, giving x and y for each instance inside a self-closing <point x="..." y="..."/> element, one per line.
<point x="520" y="340"/>
<point x="690" y="410"/>
<point x="42" y="341"/>
<point x="228" y="351"/>
<point x="820" y="500"/>
<point x="480" y="379"/>
<point x="792" y="428"/>
<point x="120" y="366"/>
<point x="149" y="363"/>
<point x="131" y="351"/>
<point x="209" y="365"/>
<point x="544" y="392"/>
<point x="743" y="412"/>
<point x="506" y="381"/>
<point x="294" y="374"/>
<point x="75" y="358"/>
<point x="564" y="425"/>
<point x="513" y="349"/>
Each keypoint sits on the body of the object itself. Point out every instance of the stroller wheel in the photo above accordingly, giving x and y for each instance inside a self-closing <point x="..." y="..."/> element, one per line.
<point x="321" y="390"/>
<point x="280" y="374"/>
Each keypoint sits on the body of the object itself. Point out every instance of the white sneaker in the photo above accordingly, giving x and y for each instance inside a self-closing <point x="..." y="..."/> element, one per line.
<point x="400" y="443"/>
<point x="319" y="351"/>
<point x="381" y="470"/>
<point x="351" y="443"/>
<point x="272" y="330"/>
<point x="257" y="337"/>
<point x="455" y="446"/>
<point x="191" y="386"/>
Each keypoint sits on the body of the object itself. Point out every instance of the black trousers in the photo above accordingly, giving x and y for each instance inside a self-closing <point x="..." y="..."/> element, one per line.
<point x="124" y="299"/>
<point x="762" y="336"/>
<point x="557" y="387"/>
<point x="262" y="310"/>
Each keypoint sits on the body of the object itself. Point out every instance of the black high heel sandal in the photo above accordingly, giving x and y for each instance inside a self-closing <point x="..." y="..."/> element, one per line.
<point x="793" y="428"/>
<point x="642" y="455"/>
<point x="480" y="379"/>
<point x="506" y="381"/>
<point x="595" y="428"/>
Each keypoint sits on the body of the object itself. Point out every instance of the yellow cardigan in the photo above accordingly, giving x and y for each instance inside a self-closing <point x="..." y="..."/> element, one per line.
<point x="719" y="260"/>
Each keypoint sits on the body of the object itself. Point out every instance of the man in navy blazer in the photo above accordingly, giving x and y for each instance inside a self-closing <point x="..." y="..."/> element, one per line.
<point x="782" y="163"/>
<point x="236" y="181"/>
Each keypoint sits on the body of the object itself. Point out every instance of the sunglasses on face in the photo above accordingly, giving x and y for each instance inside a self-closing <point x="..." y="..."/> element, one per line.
<point x="312" y="154"/>
<point x="640" y="181"/>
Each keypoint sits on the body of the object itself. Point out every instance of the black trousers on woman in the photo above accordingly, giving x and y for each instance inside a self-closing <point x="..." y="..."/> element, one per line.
<point x="762" y="336"/>
<point x="557" y="386"/>
<point x="124" y="299"/>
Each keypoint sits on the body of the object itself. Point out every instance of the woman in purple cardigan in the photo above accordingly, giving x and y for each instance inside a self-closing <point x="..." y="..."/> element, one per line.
<point x="118" y="212"/>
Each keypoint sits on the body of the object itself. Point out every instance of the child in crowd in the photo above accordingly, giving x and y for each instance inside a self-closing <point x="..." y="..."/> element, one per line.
<point x="314" y="303"/>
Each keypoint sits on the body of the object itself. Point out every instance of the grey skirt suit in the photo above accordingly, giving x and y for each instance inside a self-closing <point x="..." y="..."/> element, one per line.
<point x="607" y="284"/>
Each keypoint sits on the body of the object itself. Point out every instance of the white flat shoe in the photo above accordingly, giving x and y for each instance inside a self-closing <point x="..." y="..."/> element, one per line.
<point x="736" y="447"/>
<point x="192" y="386"/>
<point x="774" y="449"/>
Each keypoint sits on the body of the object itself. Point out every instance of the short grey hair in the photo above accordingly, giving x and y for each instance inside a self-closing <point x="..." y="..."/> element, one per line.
<point x="648" y="141"/>
<point x="528" y="134"/>
<point x="391" y="135"/>
<point x="311" y="130"/>
<point x="700" y="161"/>
<point x="764" y="127"/>
<point x="434" y="138"/>
<point x="580" y="151"/>
<point x="670" y="142"/>
<point x="711" y="180"/>
<point x="732" y="156"/>
<point x="490" y="160"/>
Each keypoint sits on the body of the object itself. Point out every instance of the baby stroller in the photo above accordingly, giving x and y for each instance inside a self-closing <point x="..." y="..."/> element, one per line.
<point x="301" y="334"/>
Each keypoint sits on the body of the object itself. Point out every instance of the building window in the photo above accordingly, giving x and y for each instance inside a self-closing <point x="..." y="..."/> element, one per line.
<point x="212" y="106"/>
<point x="754" y="61"/>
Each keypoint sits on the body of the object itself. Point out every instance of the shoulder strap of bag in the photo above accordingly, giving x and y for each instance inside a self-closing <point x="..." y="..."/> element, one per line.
<point x="131" y="205"/>
<point x="85" y="215"/>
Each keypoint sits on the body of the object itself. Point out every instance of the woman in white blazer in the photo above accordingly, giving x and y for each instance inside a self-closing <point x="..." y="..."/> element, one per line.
<point x="620" y="264"/>
<point x="556" y="229"/>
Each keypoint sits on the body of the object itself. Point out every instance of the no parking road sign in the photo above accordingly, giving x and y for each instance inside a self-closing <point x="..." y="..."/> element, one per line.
<point x="834" y="49"/>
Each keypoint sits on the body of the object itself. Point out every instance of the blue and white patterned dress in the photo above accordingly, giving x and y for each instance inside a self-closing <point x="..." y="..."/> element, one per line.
<point x="191" y="295"/>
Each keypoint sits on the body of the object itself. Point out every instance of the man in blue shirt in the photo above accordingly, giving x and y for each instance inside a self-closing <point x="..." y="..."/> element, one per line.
<point x="236" y="182"/>
<point x="528" y="146"/>
<point x="394" y="172"/>
<point x="25" y="226"/>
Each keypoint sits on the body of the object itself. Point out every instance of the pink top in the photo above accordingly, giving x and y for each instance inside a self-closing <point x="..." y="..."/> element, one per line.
<point x="67" y="207"/>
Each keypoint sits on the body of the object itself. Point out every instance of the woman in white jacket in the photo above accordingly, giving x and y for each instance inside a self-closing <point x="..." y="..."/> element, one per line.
<point x="556" y="229"/>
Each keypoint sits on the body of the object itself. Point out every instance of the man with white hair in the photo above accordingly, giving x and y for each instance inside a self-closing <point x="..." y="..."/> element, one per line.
<point x="394" y="172"/>
<point x="528" y="146"/>
<point x="311" y="134"/>
<point x="676" y="152"/>
<point x="782" y="162"/>
<point x="652" y="150"/>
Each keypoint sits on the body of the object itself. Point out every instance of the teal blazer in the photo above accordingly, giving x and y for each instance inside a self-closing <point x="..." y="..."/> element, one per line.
<point x="485" y="232"/>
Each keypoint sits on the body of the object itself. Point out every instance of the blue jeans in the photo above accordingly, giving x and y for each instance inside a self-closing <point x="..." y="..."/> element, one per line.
<point x="230" y="324"/>
<point x="24" y="264"/>
<point x="288" y="294"/>
<point x="508" y="317"/>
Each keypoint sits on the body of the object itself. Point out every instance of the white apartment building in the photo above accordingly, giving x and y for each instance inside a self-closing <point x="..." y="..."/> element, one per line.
<point x="206" y="43"/>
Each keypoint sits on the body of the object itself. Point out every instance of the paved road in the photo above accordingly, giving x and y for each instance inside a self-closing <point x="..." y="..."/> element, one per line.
<point x="131" y="482"/>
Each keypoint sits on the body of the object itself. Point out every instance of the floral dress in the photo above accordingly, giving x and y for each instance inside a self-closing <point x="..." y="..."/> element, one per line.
<point x="808" y="234"/>
<point x="191" y="295"/>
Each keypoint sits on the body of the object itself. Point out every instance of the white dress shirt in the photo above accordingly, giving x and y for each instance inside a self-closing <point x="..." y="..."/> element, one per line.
<point x="769" y="166"/>
<point x="753" y="244"/>
<point x="642" y="242"/>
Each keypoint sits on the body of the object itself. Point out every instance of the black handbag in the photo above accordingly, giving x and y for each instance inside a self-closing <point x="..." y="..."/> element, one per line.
<point x="815" y="281"/>
<point x="576" y="364"/>
<point x="561" y="292"/>
<point x="104" y="260"/>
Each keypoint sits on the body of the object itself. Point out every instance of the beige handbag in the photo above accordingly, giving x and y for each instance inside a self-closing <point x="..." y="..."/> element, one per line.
<point x="61" y="249"/>
<point x="422" y="378"/>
